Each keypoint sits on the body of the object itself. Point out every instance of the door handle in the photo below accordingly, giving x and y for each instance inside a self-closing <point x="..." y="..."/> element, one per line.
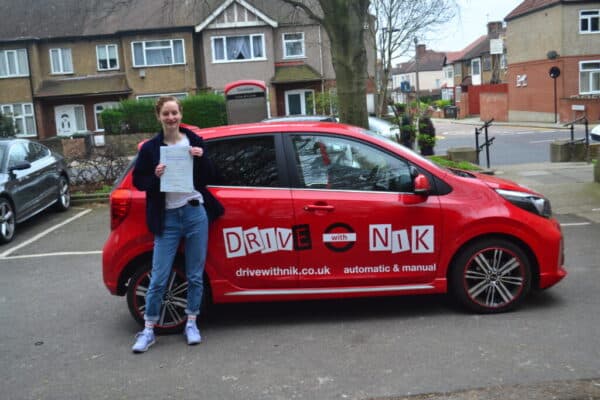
<point x="319" y="207"/>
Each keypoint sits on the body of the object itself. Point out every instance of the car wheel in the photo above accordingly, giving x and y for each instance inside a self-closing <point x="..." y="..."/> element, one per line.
<point x="64" y="194"/>
<point x="172" y="317"/>
<point x="7" y="221"/>
<point x="491" y="276"/>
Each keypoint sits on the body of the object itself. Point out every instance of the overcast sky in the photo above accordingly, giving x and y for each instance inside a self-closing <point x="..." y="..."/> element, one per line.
<point x="472" y="23"/>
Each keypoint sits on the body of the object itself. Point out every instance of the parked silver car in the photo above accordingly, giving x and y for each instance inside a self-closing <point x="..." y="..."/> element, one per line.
<point x="32" y="178"/>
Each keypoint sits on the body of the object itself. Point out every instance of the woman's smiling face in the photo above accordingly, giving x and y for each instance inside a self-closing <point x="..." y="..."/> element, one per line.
<point x="170" y="115"/>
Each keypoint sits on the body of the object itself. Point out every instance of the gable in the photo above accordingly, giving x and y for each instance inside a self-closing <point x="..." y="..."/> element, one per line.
<point x="236" y="14"/>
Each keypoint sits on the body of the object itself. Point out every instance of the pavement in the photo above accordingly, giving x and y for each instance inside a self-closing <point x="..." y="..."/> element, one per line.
<point x="572" y="191"/>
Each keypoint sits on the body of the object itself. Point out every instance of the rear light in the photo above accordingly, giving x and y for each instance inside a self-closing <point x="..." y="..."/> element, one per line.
<point x="120" y="202"/>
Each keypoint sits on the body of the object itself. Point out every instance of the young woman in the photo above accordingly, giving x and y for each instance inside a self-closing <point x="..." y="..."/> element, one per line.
<point x="172" y="216"/>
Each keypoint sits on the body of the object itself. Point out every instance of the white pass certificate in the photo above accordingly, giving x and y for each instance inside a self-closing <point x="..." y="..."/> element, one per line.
<point x="179" y="171"/>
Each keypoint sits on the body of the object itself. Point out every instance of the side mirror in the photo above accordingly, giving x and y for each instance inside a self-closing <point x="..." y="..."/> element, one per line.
<point x="19" y="166"/>
<point x="422" y="185"/>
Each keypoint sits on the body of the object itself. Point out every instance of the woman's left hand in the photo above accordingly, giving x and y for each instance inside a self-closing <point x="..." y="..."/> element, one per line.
<point x="196" y="151"/>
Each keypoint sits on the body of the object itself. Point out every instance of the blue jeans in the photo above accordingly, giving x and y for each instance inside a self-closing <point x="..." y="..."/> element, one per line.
<point x="189" y="222"/>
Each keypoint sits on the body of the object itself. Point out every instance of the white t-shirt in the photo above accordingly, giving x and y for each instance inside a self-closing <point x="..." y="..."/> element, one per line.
<point x="178" y="199"/>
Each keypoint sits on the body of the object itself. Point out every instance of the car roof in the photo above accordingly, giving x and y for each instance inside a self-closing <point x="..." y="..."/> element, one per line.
<point x="275" y="127"/>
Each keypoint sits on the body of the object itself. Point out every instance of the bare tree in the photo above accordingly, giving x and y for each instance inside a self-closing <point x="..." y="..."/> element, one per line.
<point x="398" y="23"/>
<point x="346" y="23"/>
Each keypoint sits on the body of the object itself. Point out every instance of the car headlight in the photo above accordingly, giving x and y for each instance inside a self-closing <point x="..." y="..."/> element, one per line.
<point x="527" y="201"/>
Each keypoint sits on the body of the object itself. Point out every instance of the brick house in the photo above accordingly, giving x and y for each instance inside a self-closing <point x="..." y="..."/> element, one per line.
<point x="567" y="36"/>
<point x="63" y="61"/>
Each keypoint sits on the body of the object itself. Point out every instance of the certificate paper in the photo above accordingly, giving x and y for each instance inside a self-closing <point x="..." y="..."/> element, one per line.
<point x="179" y="171"/>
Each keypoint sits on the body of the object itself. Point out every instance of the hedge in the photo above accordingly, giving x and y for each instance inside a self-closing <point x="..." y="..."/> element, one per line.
<point x="136" y="116"/>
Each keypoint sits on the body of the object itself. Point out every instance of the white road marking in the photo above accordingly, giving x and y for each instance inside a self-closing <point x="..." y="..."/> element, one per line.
<point x="61" y="253"/>
<point x="44" y="233"/>
<point x="576" y="224"/>
<point x="542" y="141"/>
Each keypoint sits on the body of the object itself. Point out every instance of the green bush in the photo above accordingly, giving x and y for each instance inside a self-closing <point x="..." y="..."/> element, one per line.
<point x="442" y="103"/>
<point x="112" y="120"/>
<point x="7" y="127"/>
<point x="204" y="110"/>
<point x="138" y="116"/>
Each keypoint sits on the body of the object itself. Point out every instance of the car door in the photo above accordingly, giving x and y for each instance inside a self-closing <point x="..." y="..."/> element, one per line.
<point x="365" y="224"/>
<point x="21" y="183"/>
<point x="252" y="245"/>
<point x="44" y="174"/>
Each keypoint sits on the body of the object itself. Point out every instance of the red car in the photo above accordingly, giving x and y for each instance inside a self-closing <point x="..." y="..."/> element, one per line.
<point x="324" y="210"/>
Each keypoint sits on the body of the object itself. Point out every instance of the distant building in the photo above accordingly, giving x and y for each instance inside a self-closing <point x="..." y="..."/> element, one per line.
<point x="554" y="33"/>
<point x="430" y="70"/>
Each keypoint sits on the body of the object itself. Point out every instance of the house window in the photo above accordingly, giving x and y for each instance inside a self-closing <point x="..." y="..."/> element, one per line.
<point x="107" y="57"/>
<point x="13" y="63"/>
<point x="487" y="63"/>
<point x="22" y="116"/>
<point x="503" y="63"/>
<point x="293" y="45"/>
<point x="449" y="72"/>
<point x="98" y="108"/>
<point x="61" y="61"/>
<point x="589" y="77"/>
<point x="589" y="21"/>
<point x="158" y="52"/>
<point x="238" y="48"/>
<point x="154" y="97"/>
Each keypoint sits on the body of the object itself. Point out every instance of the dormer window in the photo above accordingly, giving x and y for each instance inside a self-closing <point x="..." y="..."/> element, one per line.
<point x="238" y="48"/>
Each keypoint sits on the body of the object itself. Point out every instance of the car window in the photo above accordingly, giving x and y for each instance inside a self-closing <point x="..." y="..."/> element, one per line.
<point x="18" y="153"/>
<point x="36" y="151"/>
<point x="245" y="161"/>
<point x="335" y="163"/>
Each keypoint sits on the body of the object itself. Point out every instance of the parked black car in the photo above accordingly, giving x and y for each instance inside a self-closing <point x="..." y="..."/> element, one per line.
<point x="32" y="178"/>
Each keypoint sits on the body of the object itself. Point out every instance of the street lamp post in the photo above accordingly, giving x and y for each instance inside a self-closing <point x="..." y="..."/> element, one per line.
<point x="417" y="72"/>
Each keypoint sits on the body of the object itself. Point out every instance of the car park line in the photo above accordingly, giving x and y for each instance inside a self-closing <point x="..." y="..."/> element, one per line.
<point x="42" y="234"/>
<point x="60" y="253"/>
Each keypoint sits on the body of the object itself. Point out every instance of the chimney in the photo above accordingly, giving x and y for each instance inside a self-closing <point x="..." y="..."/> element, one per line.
<point x="420" y="50"/>
<point x="494" y="28"/>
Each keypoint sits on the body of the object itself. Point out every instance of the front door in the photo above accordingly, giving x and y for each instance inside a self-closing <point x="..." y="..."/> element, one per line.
<point x="366" y="226"/>
<point x="299" y="102"/>
<point x="476" y="71"/>
<point x="69" y="119"/>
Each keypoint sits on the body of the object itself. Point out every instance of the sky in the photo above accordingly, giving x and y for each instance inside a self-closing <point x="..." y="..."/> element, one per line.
<point x="470" y="24"/>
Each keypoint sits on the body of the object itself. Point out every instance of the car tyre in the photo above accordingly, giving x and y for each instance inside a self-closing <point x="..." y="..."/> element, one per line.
<point x="491" y="276"/>
<point x="172" y="311"/>
<point x="64" y="194"/>
<point x="7" y="221"/>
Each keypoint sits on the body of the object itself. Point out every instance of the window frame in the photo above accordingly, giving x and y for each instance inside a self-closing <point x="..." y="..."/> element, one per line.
<point x="4" y="55"/>
<point x="223" y="38"/>
<point x="286" y="41"/>
<point x="106" y="105"/>
<point x="106" y="48"/>
<point x="155" y="96"/>
<point x="145" y="56"/>
<point x="591" y="72"/>
<point x="23" y="117"/>
<point x="61" y="70"/>
<point x="278" y="151"/>
<point x="589" y="19"/>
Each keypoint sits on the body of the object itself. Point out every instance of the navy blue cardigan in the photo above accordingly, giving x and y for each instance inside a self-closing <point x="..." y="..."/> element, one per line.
<point x="145" y="179"/>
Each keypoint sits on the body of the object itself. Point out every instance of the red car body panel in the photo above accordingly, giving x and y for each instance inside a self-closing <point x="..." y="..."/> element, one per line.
<point x="330" y="243"/>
